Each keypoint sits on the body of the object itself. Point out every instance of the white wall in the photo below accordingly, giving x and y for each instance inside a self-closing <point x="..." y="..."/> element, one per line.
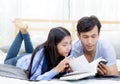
<point x="45" y="9"/>
<point x="103" y="9"/>
<point x="9" y="9"/>
<point x="54" y="9"/>
<point x="39" y="9"/>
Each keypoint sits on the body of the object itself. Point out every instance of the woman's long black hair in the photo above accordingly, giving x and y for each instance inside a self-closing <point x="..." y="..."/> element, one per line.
<point x="55" y="36"/>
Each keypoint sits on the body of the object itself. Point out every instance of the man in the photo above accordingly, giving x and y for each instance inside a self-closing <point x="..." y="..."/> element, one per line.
<point x="89" y="44"/>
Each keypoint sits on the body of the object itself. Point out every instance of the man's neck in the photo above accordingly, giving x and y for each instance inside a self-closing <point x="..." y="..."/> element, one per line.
<point x="89" y="55"/>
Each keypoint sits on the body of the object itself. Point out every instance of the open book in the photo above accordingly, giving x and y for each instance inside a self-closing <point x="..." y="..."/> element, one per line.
<point x="82" y="68"/>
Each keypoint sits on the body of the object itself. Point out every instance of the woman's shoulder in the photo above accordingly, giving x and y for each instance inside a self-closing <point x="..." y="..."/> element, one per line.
<point x="39" y="54"/>
<point x="41" y="50"/>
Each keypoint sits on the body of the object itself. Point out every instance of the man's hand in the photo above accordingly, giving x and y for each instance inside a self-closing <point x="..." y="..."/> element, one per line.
<point x="102" y="69"/>
<point x="107" y="70"/>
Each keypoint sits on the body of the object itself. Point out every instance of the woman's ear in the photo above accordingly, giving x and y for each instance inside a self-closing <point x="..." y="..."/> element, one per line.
<point x="98" y="35"/>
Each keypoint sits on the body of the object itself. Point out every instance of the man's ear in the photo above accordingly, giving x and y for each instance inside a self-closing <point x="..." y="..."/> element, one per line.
<point x="78" y="35"/>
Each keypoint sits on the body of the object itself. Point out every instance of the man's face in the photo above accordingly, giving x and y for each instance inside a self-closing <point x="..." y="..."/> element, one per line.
<point x="89" y="39"/>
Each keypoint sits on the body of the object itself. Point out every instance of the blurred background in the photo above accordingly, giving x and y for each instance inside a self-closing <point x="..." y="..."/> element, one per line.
<point x="105" y="10"/>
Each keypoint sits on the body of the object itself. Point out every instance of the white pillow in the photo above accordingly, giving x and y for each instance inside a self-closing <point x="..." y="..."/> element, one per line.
<point x="2" y="57"/>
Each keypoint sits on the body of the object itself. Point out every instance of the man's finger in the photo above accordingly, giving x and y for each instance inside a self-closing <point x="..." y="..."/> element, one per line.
<point x="103" y="68"/>
<point x="100" y="72"/>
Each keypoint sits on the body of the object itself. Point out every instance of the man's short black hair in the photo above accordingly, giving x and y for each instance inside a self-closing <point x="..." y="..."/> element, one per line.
<point x="86" y="24"/>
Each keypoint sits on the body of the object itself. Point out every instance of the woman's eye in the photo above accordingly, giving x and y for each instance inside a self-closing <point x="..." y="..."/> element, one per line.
<point x="64" y="45"/>
<point x="85" y="37"/>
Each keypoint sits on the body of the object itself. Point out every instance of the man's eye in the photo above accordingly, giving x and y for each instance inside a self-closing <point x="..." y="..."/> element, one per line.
<point x="93" y="36"/>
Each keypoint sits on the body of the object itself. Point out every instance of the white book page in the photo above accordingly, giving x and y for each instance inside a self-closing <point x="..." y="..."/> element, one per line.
<point x="76" y="77"/>
<point x="95" y="63"/>
<point x="81" y="68"/>
<point x="80" y="64"/>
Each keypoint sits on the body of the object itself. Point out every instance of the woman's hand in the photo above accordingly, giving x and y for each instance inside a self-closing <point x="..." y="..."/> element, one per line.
<point x="63" y="65"/>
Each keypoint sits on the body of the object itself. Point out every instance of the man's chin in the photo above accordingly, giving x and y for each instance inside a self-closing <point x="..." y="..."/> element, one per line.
<point x="90" y="50"/>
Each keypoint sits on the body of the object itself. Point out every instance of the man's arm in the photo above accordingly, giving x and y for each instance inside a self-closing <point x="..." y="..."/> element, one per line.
<point x="108" y="53"/>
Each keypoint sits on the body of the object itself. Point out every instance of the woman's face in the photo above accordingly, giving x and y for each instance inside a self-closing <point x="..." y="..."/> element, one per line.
<point x="65" y="46"/>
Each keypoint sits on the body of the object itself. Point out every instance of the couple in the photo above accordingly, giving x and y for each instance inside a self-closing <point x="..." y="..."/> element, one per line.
<point x="51" y="59"/>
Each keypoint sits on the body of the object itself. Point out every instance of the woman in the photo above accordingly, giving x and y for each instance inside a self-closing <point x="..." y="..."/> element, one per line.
<point x="49" y="60"/>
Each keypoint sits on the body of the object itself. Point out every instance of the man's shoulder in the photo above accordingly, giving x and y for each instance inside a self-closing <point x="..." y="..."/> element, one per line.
<point x="107" y="51"/>
<point x="77" y="48"/>
<point x="77" y="43"/>
<point x="102" y="43"/>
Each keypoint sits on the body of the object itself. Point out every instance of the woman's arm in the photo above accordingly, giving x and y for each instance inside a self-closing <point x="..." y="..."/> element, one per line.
<point x="61" y="67"/>
<point x="47" y="75"/>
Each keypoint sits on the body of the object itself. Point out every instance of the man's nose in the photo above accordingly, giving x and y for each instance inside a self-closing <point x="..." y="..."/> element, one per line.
<point x="89" y="40"/>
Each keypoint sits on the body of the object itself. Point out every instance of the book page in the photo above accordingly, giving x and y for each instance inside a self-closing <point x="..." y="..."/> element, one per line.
<point x="76" y="76"/>
<point x="80" y="64"/>
<point x="81" y="68"/>
<point x="95" y="63"/>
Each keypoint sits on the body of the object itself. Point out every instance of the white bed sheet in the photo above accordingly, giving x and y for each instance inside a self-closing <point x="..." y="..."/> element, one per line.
<point x="5" y="80"/>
